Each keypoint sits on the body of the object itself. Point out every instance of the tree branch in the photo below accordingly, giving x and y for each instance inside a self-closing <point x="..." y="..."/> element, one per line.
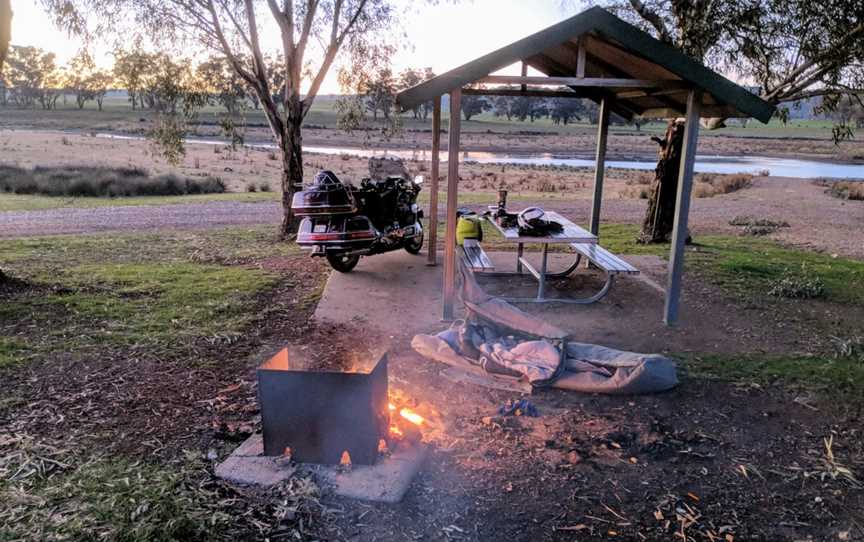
<point x="654" y="19"/>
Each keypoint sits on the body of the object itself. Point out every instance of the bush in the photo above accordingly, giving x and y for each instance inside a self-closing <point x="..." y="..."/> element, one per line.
<point x="90" y="181"/>
<point x="758" y="226"/>
<point x="264" y="187"/>
<point x="849" y="190"/>
<point x="803" y="285"/>
<point x="708" y="185"/>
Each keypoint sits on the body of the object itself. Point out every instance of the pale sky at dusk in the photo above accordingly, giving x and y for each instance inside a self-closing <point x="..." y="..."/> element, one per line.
<point x="443" y="37"/>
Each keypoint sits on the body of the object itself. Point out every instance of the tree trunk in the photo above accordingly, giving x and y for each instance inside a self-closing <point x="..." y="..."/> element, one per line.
<point x="292" y="170"/>
<point x="660" y="214"/>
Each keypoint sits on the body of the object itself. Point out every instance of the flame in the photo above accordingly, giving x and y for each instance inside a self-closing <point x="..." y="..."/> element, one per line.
<point x="395" y="431"/>
<point x="412" y="416"/>
<point x="382" y="446"/>
<point x="391" y="407"/>
<point x="346" y="458"/>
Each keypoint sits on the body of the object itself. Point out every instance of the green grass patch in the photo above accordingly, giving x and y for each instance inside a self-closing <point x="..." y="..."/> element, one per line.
<point x="17" y="202"/>
<point x="820" y="373"/>
<point x="751" y="267"/>
<point x="156" y="291"/>
<point x="11" y="349"/>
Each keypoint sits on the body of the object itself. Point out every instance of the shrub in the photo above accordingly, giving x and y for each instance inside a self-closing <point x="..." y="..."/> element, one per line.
<point x="250" y="187"/>
<point x="708" y="185"/>
<point x="803" y="285"/>
<point x="96" y="181"/>
<point x="848" y="190"/>
<point x="264" y="187"/>
<point x="758" y="226"/>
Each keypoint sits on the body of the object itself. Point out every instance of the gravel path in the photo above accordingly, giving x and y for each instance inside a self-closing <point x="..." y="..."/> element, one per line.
<point x="138" y="218"/>
<point x="817" y="221"/>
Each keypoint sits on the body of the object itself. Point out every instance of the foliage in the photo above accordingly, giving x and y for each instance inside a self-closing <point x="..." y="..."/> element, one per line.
<point x="94" y="181"/>
<point x="790" y="49"/>
<point x="380" y="93"/>
<point x="797" y="285"/>
<point x="131" y="68"/>
<point x="474" y="105"/>
<point x="32" y="76"/>
<point x="848" y="190"/>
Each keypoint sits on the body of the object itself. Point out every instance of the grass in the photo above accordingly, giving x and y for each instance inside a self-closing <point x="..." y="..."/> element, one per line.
<point x="100" y="181"/>
<point x="14" y="202"/>
<point x="107" y="500"/>
<point x="839" y="376"/>
<point x="846" y="190"/>
<point x="748" y="267"/>
<point x="144" y="291"/>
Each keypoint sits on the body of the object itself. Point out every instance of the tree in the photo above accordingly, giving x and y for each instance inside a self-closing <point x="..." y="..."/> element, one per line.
<point x="380" y="93"/>
<point x="502" y="106"/>
<point x="564" y="110"/>
<point x="77" y="74"/>
<point x="474" y="105"/>
<point x="98" y="84"/>
<point x="792" y="49"/>
<point x="222" y="83"/>
<point x="29" y="72"/>
<point x="131" y="68"/>
<point x="407" y="79"/>
<point x="5" y="38"/>
<point x="352" y="28"/>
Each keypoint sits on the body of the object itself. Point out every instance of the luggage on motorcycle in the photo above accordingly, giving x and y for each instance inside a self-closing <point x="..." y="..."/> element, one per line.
<point x="336" y="233"/>
<point x="327" y="196"/>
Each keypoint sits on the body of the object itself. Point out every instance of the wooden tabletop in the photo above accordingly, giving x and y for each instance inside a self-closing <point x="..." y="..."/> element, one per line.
<point x="570" y="234"/>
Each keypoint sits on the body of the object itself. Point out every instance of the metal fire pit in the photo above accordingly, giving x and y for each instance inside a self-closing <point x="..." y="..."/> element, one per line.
<point x="320" y="415"/>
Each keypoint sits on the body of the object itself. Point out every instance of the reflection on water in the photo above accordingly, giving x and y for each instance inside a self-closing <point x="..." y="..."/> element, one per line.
<point x="778" y="167"/>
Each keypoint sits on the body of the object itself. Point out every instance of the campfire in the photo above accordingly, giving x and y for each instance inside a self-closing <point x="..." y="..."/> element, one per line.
<point x="335" y="418"/>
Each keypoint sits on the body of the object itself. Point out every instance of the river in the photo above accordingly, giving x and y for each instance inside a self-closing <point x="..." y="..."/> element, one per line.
<point x="777" y="167"/>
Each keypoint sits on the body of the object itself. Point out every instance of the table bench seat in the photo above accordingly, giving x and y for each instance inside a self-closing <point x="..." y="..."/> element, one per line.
<point x="475" y="256"/>
<point x="603" y="259"/>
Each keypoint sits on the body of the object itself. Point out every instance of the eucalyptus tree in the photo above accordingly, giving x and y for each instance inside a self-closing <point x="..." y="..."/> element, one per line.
<point x="310" y="34"/>
<point x="789" y="50"/>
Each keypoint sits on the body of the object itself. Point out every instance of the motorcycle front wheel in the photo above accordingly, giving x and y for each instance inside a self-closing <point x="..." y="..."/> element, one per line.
<point x="415" y="245"/>
<point x="343" y="263"/>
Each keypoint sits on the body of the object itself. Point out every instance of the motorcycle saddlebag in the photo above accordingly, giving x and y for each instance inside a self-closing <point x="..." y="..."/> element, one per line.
<point x="323" y="202"/>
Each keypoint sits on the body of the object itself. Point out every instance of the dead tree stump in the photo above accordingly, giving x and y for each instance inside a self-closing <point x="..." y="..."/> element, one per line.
<point x="660" y="214"/>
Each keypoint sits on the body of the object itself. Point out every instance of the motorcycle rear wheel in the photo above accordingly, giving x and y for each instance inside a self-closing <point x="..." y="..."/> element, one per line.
<point x="415" y="245"/>
<point x="343" y="263"/>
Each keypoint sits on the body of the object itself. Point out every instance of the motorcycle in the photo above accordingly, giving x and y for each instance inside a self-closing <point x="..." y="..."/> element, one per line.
<point x="342" y="222"/>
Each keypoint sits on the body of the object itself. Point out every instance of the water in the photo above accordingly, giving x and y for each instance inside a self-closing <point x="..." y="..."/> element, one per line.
<point x="777" y="167"/>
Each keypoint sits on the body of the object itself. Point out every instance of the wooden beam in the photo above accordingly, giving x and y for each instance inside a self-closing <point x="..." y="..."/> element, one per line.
<point x="452" y="195"/>
<point x="524" y="74"/>
<point x="581" y="59"/>
<point x="595" y="82"/>
<point x="682" y="207"/>
<point x="652" y="93"/>
<point x="530" y="93"/>
<point x="706" y="111"/>
<point x="600" y="165"/>
<point x="551" y="66"/>
<point x="432" y="258"/>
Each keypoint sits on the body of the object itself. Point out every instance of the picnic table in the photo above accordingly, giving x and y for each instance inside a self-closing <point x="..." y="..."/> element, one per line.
<point x="584" y="243"/>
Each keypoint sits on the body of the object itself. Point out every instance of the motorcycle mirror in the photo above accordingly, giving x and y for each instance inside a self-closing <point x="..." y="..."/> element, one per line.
<point x="418" y="179"/>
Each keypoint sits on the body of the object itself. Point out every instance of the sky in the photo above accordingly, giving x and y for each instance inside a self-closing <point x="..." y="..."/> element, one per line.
<point x="441" y="37"/>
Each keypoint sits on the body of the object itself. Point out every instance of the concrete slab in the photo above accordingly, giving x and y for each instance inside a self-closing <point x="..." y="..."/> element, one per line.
<point x="397" y="293"/>
<point x="387" y="481"/>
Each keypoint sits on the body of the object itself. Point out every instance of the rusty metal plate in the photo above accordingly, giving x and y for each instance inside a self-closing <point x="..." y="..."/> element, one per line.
<point x="320" y="415"/>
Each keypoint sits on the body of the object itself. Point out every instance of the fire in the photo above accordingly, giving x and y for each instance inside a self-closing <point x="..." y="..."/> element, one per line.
<point x="346" y="459"/>
<point x="395" y="431"/>
<point x="382" y="447"/>
<point x="412" y="416"/>
<point x="391" y="407"/>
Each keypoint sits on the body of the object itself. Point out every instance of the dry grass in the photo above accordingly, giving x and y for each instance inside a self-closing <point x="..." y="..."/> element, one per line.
<point x="709" y="185"/>
<point x="848" y="190"/>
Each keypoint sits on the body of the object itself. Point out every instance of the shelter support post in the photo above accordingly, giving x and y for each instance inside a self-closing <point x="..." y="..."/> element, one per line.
<point x="682" y="207"/>
<point x="452" y="192"/>
<point x="433" y="187"/>
<point x="600" y="165"/>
